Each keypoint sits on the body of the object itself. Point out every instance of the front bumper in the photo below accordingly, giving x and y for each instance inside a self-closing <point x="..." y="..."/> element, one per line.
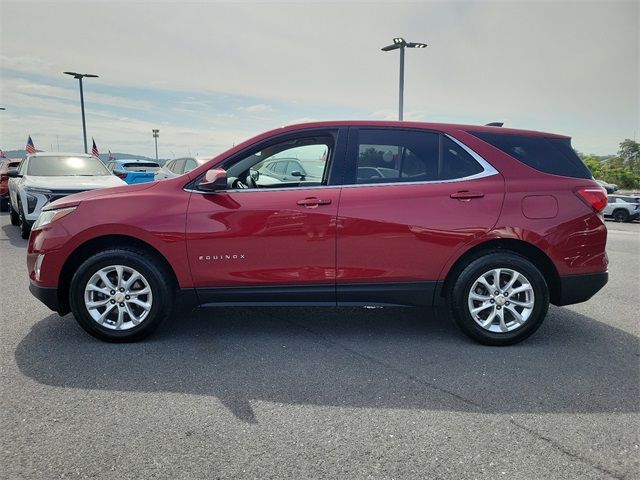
<point x="48" y="296"/>
<point x="579" y="288"/>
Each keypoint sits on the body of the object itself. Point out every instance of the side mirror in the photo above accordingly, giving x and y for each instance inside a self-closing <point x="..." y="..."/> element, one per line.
<point x="13" y="173"/>
<point x="297" y="173"/>
<point x="215" y="179"/>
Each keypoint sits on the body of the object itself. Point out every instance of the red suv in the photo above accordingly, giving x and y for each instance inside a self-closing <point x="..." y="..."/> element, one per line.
<point x="494" y="222"/>
<point x="5" y="165"/>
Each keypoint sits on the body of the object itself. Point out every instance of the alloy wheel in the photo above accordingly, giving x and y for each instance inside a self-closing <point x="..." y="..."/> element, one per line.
<point x="118" y="297"/>
<point x="501" y="300"/>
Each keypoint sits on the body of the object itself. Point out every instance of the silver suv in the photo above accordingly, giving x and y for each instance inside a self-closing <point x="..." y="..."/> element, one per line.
<point x="622" y="208"/>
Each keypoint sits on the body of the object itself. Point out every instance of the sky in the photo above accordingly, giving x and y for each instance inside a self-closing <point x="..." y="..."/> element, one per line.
<point x="209" y="75"/>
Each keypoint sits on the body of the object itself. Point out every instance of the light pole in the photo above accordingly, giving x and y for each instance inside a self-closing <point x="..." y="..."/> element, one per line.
<point x="156" y="134"/>
<point x="400" y="43"/>
<point x="80" y="76"/>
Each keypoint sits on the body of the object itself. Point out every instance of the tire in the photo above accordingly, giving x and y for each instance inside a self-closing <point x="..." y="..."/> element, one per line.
<point x="4" y="204"/>
<point x="15" y="220"/>
<point x="621" y="215"/>
<point x="160" y="299"/>
<point x="534" y="294"/>
<point x="25" y="228"/>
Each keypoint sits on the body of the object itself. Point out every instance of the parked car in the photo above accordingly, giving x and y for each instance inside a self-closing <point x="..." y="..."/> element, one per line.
<point x="622" y="208"/>
<point x="291" y="170"/>
<point x="45" y="177"/>
<point x="179" y="166"/>
<point x="5" y="165"/>
<point x="133" y="170"/>
<point x="609" y="187"/>
<point x="494" y="223"/>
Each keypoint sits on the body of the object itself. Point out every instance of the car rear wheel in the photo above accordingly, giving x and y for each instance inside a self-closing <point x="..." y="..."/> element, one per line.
<point x="621" y="215"/>
<point x="121" y="295"/>
<point x="15" y="220"/>
<point x="499" y="299"/>
<point x="25" y="228"/>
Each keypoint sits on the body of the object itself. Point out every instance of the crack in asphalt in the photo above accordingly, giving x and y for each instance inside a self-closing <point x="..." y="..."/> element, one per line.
<point x="554" y="444"/>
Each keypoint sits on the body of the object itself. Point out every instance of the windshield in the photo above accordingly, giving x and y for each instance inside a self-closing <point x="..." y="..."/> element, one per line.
<point x="66" y="166"/>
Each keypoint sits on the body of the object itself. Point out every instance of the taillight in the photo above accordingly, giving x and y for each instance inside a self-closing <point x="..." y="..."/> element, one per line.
<point x="595" y="197"/>
<point x="121" y="175"/>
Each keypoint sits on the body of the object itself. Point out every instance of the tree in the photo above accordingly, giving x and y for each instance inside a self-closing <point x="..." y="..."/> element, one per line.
<point x="594" y="164"/>
<point x="615" y="170"/>
<point x="629" y="152"/>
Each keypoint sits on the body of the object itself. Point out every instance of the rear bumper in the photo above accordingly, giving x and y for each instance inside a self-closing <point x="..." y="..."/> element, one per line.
<point x="48" y="296"/>
<point x="580" y="288"/>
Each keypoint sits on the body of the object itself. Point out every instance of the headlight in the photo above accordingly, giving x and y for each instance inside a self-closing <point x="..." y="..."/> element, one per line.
<point x="32" y="197"/>
<point x="50" y="216"/>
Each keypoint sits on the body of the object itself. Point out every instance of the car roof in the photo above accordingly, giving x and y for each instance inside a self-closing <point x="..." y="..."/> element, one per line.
<point x="420" y="125"/>
<point x="60" y="154"/>
<point x="199" y="159"/>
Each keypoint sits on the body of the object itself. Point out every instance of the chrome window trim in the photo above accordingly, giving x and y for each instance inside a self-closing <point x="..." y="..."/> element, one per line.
<point x="488" y="171"/>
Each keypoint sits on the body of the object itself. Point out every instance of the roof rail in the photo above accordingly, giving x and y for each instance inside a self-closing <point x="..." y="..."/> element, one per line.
<point x="494" y="124"/>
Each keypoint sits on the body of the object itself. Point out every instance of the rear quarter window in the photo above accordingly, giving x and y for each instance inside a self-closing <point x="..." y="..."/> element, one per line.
<point x="549" y="155"/>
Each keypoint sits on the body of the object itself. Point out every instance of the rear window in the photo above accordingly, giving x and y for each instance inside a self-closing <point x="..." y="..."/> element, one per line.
<point x="141" y="167"/>
<point x="549" y="155"/>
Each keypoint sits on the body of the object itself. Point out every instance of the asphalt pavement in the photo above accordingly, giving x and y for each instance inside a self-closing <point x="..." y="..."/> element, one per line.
<point x="322" y="393"/>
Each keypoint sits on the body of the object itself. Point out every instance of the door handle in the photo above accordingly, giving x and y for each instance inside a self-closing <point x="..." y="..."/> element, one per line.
<point x="313" y="202"/>
<point x="466" y="195"/>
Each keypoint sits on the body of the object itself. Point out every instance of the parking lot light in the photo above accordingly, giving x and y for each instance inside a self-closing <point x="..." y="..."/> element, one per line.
<point x="156" y="134"/>
<point x="79" y="77"/>
<point x="400" y="43"/>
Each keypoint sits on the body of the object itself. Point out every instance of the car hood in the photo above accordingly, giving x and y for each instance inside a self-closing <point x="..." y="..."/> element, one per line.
<point x="76" y="198"/>
<point x="73" y="182"/>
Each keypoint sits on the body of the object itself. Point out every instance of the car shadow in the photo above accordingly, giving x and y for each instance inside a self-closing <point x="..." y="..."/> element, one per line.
<point x="13" y="234"/>
<point x="386" y="358"/>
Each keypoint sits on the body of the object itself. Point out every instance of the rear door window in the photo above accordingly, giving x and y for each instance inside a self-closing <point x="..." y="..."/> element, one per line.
<point x="549" y="155"/>
<point x="395" y="155"/>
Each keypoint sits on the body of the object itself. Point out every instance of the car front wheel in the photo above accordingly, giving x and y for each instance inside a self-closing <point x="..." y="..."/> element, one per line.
<point x="25" y="228"/>
<point x="121" y="295"/>
<point x="620" y="216"/>
<point x="15" y="219"/>
<point x="499" y="299"/>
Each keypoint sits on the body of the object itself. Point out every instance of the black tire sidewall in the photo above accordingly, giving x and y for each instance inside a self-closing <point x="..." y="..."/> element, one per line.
<point x="620" y="216"/>
<point x="162" y="294"/>
<point x="25" y="229"/>
<point x="14" y="215"/>
<point x="458" y="296"/>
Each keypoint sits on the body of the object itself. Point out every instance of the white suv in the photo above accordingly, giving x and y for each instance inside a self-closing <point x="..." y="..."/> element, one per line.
<point x="47" y="176"/>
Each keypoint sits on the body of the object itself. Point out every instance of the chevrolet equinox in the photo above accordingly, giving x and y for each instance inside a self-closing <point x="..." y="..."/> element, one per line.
<point x="494" y="223"/>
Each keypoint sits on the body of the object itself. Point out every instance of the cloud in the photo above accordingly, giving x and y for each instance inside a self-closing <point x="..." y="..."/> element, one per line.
<point x="543" y="65"/>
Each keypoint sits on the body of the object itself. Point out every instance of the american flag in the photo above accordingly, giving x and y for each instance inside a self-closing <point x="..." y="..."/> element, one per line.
<point x="94" y="150"/>
<point x="2" y="155"/>
<point x="30" y="148"/>
<point x="111" y="157"/>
